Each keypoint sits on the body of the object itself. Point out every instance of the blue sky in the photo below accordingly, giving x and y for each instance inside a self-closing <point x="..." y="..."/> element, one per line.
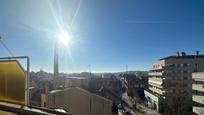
<point x="108" y="34"/>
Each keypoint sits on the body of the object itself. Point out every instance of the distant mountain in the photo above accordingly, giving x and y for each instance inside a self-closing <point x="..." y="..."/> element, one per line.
<point x="137" y="73"/>
<point x="42" y="75"/>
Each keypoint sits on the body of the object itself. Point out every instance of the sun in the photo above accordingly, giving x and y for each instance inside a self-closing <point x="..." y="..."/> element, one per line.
<point x="64" y="38"/>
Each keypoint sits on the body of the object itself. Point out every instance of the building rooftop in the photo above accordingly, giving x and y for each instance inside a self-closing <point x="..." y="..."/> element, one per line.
<point x="77" y="77"/>
<point x="183" y="57"/>
<point x="81" y="90"/>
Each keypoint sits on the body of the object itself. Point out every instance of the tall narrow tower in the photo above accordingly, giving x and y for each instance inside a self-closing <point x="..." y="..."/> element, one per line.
<point x="89" y="70"/>
<point x="126" y="68"/>
<point x="56" y="66"/>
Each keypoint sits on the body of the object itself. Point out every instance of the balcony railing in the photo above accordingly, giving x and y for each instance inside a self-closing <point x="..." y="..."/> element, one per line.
<point x="199" y="76"/>
<point x="198" y="87"/>
<point x="198" y="110"/>
<point x="159" y="91"/>
<point x="151" y="95"/>
<point x="158" y="68"/>
<point x="198" y="99"/>
<point x="155" y="73"/>
<point x="158" y="81"/>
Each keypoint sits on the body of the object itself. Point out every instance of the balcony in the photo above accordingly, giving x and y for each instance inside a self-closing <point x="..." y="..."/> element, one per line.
<point x="158" y="68"/>
<point x="157" y="82"/>
<point x="198" y="87"/>
<point x="159" y="91"/>
<point x="198" y="110"/>
<point x="198" y="99"/>
<point x="198" y="76"/>
<point x="155" y="73"/>
<point x="150" y="95"/>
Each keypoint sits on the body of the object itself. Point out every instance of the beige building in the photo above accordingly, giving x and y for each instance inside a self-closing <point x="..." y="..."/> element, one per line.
<point x="79" y="102"/>
<point x="170" y="79"/>
<point x="198" y="93"/>
<point x="77" y="82"/>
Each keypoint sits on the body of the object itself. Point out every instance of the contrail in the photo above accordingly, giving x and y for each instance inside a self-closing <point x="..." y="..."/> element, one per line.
<point x="54" y="14"/>
<point x="76" y="13"/>
<point x="149" y="22"/>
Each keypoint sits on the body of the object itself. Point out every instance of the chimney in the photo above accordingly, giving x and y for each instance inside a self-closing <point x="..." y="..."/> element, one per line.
<point x="197" y="53"/>
<point x="177" y="54"/>
<point x="183" y="53"/>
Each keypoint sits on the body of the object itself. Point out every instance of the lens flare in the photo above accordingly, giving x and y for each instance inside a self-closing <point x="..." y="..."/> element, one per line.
<point x="64" y="38"/>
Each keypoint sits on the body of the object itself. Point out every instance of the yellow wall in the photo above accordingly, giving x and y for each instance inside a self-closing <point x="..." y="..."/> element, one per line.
<point x="12" y="82"/>
<point x="5" y="113"/>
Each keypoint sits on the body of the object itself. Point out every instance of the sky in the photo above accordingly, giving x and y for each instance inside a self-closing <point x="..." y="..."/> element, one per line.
<point x="106" y="34"/>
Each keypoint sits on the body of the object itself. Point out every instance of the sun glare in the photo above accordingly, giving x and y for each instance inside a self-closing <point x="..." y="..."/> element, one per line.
<point x="64" y="38"/>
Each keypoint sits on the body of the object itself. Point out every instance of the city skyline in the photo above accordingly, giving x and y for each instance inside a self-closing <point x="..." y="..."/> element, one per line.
<point x="108" y="35"/>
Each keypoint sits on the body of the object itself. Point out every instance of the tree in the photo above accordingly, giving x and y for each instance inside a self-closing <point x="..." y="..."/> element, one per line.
<point x="177" y="102"/>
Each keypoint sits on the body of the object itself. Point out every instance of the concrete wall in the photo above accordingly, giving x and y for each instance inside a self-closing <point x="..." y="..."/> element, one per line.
<point x="153" y="101"/>
<point x="158" y="64"/>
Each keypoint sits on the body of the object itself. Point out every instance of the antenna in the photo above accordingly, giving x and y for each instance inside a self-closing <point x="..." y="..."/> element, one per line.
<point x="126" y="68"/>
<point x="90" y="69"/>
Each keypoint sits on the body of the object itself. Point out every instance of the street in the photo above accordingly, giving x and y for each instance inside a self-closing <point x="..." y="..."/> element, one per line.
<point x="128" y="108"/>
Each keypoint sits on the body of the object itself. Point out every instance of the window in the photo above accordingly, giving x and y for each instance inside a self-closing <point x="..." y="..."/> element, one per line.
<point x="185" y="92"/>
<point x="173" y="65"/>
<point x="196" y="68"/>
<point x="185" y="77"/>
<point x="184" y="71"/>
<point x="185" y="65"/>
<point x="185" y="85"/>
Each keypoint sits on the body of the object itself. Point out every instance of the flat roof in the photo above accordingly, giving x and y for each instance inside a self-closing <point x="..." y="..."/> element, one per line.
<point x="76" y="77"/>
<point x="80" y="89"/>
<point x="183" y="57"/>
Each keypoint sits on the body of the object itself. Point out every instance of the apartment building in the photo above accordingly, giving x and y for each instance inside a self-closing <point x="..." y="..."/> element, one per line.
<point x="82" y="82"/>
<point x="198" y="93"/>
<point x="170" y="82"/>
